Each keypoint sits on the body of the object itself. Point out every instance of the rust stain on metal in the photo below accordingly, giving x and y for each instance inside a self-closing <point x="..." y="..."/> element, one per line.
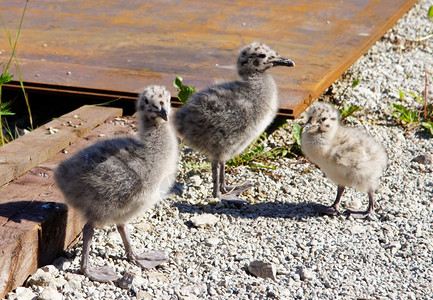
<point x="125" y="45"/>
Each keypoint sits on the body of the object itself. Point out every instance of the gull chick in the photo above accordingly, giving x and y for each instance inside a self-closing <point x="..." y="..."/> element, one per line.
<point x="222" y="120"/>
<point x="117" y="179"/>
<point x="348" y="156"/>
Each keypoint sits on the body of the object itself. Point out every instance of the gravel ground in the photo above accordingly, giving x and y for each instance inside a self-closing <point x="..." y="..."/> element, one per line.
<point x="305" y="255"/>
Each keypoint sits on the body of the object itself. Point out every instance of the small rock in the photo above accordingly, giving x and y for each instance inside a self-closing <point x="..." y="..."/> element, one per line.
<point x="158" y="276"/>
<point x="212" y="242"/>
<point x="52" y="130"/>
<point x="62" y="263"/>
<point x="50" y="269"/>
<point x="305" y="274"/>
<point x="61" y="283"/>
<point x="143" y="295"/>
<point x="400" y="137"/>
<point x="425" y="159"/>
<point x="357" y="229"/>
<point x="204" y="220"/>
<point x="263" y="269"/>
<point x="50" y="293"/>
<point x="126" y="281"/>
<point x="41" y="278"/>
<point x="196" y="181"/>
<point x="21" y="293"/>
<point x="74" y="280"/>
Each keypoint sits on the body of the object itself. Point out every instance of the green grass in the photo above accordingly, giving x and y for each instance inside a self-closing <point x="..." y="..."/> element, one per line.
<point x="258" y="156"/>
<point x="347" y="110"/>
<point x="6" y="77"/>
<point x="413" y="112"/>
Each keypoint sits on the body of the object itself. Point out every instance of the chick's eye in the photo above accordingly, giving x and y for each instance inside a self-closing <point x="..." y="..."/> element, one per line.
<point x="262" y="55"/>
<point x="323" y="119"/>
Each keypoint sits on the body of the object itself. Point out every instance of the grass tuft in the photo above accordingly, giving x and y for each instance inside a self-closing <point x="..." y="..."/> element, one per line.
<point x="414" y="111"/>
<point x="6" y="77"/>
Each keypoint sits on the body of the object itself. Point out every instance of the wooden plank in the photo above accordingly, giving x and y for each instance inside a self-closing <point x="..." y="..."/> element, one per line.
<point x="124" y="45"/>
<point x="26" y="152"/>
<point x="35" y="224"/>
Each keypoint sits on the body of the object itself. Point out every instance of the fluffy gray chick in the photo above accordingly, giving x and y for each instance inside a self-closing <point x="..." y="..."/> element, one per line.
<point x="348" y="156"/>
<point x="117" y="179"/>
<point x="222" y="120"/>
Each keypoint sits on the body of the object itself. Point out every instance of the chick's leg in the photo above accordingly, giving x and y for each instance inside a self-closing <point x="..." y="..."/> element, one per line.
<point x="231" y="192"/>
<point x="359" y="214"/>
<point x="333" y="209"/>
<point x="145" y="260"/>
<point x="216" y="193"/>
<point x="101" y="274"/>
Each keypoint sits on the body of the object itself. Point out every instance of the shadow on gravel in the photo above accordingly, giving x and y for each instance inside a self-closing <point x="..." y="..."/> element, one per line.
<point x="252" y="211"/>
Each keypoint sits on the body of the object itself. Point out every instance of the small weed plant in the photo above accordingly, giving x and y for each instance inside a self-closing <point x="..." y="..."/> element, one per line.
<point x="6" y="77"/>
<point x="259" y="156"/>
<point x="347" y="110"/>
<point x="412" y="111"/>
<point x="184" y="91"/>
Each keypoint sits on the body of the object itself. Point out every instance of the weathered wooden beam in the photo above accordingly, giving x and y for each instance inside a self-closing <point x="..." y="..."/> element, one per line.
<point x="19" y="156"/>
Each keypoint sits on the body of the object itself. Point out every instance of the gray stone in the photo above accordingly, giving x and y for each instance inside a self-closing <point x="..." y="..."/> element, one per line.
<point x="196" y="181"/>
<point x="50" y="293"/>
<point x="212" y="241"/>
<point x="53" y="270"/>
<point x="62" y="263"/>
<point x="41" y="278"/>
<point x="131" y="280"/>
<point x="305" y="274"/>
<point x="263" y="269"/>
<point x="425" y="159"/>
<point x="204" y="220"/>
<point x="22" y="293"/>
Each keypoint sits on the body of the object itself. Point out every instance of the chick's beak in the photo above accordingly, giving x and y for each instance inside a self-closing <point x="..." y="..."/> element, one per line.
<point x="306" y="127"/>
<point x="163" y="114"/>
<point x="283" y="62"/>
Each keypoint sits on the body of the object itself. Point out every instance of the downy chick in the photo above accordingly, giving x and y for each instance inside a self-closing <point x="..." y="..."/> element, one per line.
<point x="222" y="120"/>
<point x="117" y="179"/>
<point x="348" y="156"/>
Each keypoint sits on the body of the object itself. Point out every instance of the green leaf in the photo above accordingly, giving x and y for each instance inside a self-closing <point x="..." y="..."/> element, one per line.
<point x="185" y="91"/>
<point x="355" y="82"/>
<point x="297" y="133"/>
<point x="430" y="12"/>
<point x="416" y="97"/>
<point x="401" y="95"/>
<point x="348" y="110"/>
<point x="5" y="78"/>
<point x="178" y="82"/>
<point x="5" y="110"/>
<point x="406" y="115"/>
<point x="428" y="126"/>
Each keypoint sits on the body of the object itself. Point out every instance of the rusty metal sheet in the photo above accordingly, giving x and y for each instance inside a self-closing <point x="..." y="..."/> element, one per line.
<point x="121" y="46"/>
